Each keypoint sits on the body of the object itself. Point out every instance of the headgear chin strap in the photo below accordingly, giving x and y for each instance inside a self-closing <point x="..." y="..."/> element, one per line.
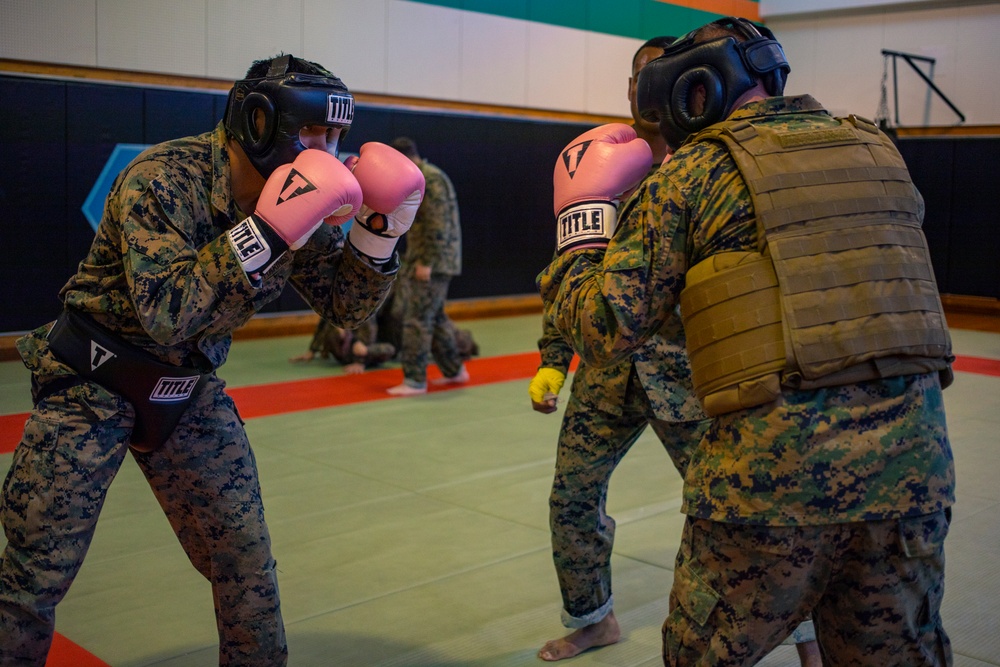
<point x="725" y="66"/>
<point x="288" y="101"/>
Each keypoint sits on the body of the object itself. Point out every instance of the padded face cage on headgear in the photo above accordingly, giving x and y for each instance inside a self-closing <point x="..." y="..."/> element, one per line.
<point x="288" y="101"/>
<point x="725" y="66"/>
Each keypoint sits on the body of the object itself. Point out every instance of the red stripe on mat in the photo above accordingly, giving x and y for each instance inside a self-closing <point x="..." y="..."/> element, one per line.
<point x="281" y="397"/>
<point x="979" y="365"/>
<point x="65" y="653"/>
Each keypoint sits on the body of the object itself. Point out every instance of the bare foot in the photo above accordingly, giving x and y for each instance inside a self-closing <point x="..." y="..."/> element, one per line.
<point x="461" y="377"/>
<point x="602" y="633"/>
<point x="407" y="390"/>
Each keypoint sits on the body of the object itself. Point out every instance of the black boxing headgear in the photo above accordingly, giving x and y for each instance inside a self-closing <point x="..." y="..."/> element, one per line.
<point x="725" y="66"/>
<point x="288" y="101"/>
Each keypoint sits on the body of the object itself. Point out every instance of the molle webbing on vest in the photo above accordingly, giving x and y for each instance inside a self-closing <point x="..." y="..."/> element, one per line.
<point x="840" y="220"/>
<point x="732" y="320"/>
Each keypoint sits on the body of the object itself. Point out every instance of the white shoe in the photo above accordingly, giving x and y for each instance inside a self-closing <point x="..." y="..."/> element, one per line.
<point x="461" y="377"/>
<point x="407" y="389"/>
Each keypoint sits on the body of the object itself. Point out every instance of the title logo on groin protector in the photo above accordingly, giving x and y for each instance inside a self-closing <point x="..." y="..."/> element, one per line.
<point x="573" y="156"/>
<point x="171" y="390"/>
<point x="99" y="355"/>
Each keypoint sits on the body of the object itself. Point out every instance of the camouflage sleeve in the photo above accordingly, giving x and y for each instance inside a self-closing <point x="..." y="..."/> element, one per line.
<point x="555" y="351"/>
<point x="429" y="234"/>
<point x="178" y="290"/>
<point x="607" y="304"/>
<point x="336" y="282"/>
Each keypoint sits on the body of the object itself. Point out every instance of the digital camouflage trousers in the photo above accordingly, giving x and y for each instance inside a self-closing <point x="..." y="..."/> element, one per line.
<point x="873" y="589"/>
<point x="205" y="479"/>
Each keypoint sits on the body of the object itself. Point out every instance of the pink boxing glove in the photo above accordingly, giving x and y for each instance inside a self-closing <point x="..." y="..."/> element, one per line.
<point x="296" y="199"/>
<point x="393" y="188"/>
<point x="591" y="175"/>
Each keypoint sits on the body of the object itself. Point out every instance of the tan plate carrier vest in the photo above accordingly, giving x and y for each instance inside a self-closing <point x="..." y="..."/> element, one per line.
<point x="842" y="289"/>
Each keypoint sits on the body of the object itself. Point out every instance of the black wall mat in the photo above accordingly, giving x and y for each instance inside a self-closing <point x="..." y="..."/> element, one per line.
<point x="170" y="114"/>
<point x="931" y="163"/>
<point x="32" y="201"/>
<point x="974" y="249"/>
<point x="61" y="133"/>
<point x="958" y="179"/>
<point x="97" y="118"/>
<point x="57" y="135"/>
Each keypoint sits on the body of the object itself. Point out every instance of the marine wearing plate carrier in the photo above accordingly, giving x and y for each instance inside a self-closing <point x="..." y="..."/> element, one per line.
<point x="791" y="239"/>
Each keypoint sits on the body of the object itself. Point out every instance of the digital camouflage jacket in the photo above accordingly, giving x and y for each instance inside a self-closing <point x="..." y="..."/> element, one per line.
<point x="435" y="239"/>
<point x="162" y="275"/>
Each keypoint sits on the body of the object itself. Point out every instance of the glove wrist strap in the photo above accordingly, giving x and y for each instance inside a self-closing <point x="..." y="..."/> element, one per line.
<point x="378" y="248"/>
<point x="586" y="223"/>
<point x="256" y="245"/>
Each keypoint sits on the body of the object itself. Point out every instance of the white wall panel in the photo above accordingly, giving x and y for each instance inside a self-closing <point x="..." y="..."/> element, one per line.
<point x="242" y="31"/>
<point x="349" y="38"/>
<point x="928" y="34"/>
<point x="839" y="60"/>
<point x="152" y="36"/>
<point x="774" y="8"/>
<point x="494" y="60"/>
<point x="609" y="63"/>
<point x="49" y="31"/>
<point x="557" y="77"/>
<point x="424" y="49"/>
<point x="397" y="47"/>
<point x="848" y="65"/>
<point x="977" y="66"/>
<point x="798" y="39"/>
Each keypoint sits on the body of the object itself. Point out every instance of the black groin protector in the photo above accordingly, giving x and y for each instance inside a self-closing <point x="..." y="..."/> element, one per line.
<point x="288" y="102"/>
<point x="726" y="68"/>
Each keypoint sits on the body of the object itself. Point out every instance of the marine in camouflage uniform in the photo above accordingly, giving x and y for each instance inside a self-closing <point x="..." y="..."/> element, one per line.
<point x="831" y="502"/>
<point x="435" y="241"/>
<point x="162" y="275"/>
<point x="607" y="411"/>
<point x="390" y="328"/>
<point x="330" y="340"/>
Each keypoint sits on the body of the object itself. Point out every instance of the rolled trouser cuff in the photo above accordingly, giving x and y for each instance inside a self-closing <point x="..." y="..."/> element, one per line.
<point x="589" y="618"/>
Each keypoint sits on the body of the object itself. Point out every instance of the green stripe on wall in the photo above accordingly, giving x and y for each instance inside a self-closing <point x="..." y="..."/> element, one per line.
<point x="640" y="19"/>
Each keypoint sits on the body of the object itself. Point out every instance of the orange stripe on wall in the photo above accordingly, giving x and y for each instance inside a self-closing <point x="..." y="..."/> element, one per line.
<point x="747" y="9"/>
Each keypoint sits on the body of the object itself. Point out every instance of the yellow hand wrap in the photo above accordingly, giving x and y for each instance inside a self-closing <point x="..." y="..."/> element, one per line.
<point x="546" y="381"/>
